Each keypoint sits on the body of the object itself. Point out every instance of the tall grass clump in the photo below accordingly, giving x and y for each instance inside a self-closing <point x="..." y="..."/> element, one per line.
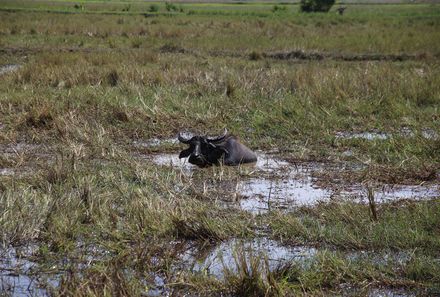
<point x="251" y="275"/>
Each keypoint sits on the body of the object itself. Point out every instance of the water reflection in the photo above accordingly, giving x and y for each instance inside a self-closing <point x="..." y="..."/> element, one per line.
<point x="223" y="257"/>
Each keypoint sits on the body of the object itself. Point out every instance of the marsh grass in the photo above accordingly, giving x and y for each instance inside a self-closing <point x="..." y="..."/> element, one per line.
<point x="108" y="218"/>
<point x="326" y="271"/>
<point x="405" y="226"/>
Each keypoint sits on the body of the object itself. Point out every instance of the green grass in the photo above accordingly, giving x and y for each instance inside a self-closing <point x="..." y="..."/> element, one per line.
<point x="109" y="220"/>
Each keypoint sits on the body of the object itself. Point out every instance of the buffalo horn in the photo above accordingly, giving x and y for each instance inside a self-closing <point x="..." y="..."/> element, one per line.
<point x="219" y="138"/>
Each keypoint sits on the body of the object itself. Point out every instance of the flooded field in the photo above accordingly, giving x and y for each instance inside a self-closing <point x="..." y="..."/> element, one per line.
<point x="273" y="183"/>
<point x="342" y="111"/>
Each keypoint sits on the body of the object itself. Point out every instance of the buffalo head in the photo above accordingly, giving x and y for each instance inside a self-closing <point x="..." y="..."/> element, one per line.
<point x="225" y="149"/>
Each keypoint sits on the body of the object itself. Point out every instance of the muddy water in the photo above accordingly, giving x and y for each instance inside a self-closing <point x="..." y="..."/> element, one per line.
<point x="19" y="275"/>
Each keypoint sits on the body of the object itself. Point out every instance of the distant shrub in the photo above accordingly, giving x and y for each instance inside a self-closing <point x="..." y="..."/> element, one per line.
<point x="316" y="5"/>
<point x="126" y="7"/>
<point x="279" y="8"/>
<point x="154" y="8"/>
<point x="170" y="7"/>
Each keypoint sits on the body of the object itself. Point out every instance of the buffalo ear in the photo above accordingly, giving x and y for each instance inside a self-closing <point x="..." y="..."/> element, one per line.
<point x="185" y="153"/>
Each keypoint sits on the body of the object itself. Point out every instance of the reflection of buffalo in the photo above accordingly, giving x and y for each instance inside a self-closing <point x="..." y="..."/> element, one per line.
<point x="225" y="149"/>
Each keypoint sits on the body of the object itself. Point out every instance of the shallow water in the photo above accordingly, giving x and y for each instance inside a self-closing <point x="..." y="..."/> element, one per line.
<point x="223" y="257"/>
<point x="172" y="160"/>
<point x="155" y="142"/>
<point x="277" y="184"/>
<point x="264" y="194"/>
<point x="9" y="68"/>
<point x="389" y="193"/>
<point x="264" y="162"/>
<point x="19" y="275"/>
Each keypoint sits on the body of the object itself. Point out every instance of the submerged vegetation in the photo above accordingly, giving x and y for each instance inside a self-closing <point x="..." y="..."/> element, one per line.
<point x="86" y="98"/>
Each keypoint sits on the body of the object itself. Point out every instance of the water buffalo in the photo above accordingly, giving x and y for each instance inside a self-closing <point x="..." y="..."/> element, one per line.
<point x="225" y="149"/>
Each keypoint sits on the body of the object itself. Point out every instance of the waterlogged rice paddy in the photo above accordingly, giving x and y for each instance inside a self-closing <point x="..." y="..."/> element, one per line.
<point x="342" y="112"/>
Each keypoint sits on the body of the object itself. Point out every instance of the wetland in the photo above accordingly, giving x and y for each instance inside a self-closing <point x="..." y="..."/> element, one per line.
<point x="342" y="112"/>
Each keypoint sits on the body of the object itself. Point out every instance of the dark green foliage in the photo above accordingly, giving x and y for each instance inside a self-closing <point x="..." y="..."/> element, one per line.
<point x="170" y="7"/>
<point x="280" y="8"/>
<point x="316" y="5"/>
<point x="154" y="8"/>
